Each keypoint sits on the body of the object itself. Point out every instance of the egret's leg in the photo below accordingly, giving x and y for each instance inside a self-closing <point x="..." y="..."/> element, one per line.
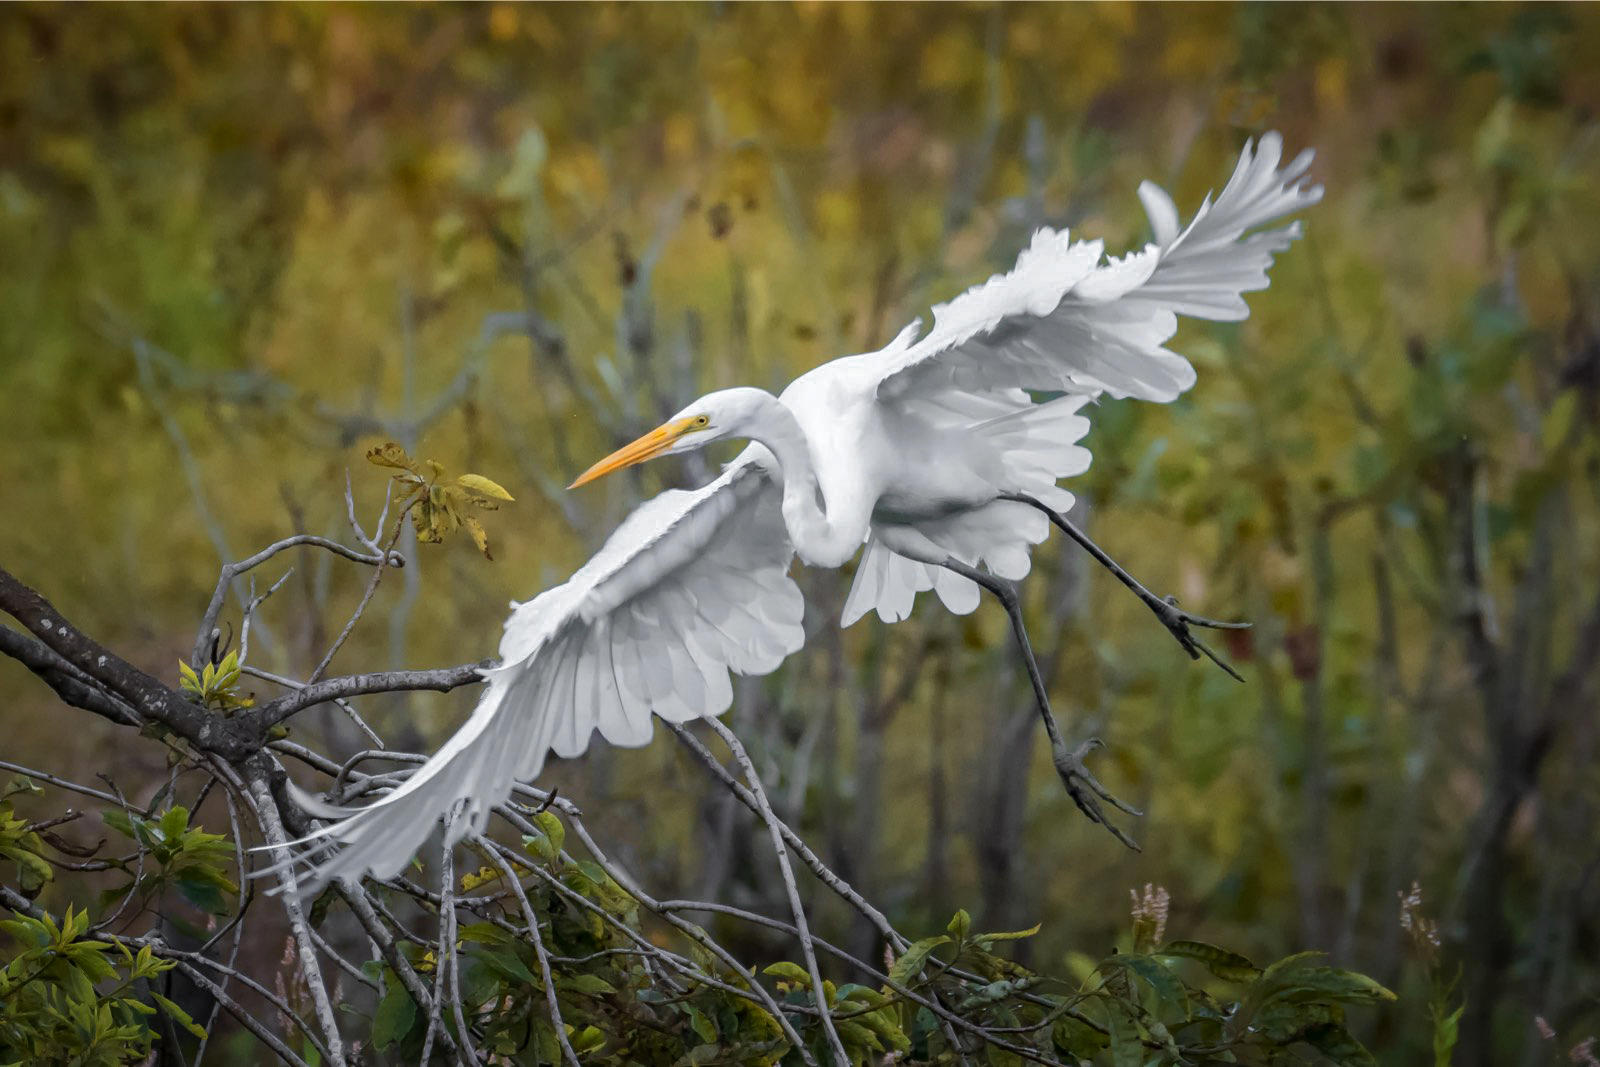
<point x="1084" y="788"/>
<point x="1166" y="609"/>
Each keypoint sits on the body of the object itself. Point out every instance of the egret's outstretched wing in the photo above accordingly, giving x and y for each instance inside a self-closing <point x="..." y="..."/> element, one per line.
<point x="1067" y="318"/>
<point x="693" y="584"/>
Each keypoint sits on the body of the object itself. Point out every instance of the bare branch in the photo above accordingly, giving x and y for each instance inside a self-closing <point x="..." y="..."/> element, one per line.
<point x="264" y="716"/>
<point x="339" y="702"/>
<point x="144" y="694"/>
<point x="230" y="571"/>
<point x="61" y="783"/>
<point x="796" y="908"/>
<point x="71" y="685"/>
<point x="272" y="827"/>
<point x="250" y="610"/>
<point x="818" y="868"/>
<point x="544" y="957"/>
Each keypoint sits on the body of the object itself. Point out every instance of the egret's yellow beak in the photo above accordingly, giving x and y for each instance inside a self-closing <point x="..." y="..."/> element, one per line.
<point x="650" y="445"/>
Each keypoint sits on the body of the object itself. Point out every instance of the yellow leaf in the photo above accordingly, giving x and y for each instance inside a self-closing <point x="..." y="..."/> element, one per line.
<point x="480" y="537"/>
<point x="390" y="454"/>
<point x="443" y="521"/>
<point x="422" y="519"/>
<point x="477" y="483"/>
<point x="482" y="876"/>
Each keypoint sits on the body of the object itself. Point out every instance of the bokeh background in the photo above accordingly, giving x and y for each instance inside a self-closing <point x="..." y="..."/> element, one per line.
<point x="241" y="244"/>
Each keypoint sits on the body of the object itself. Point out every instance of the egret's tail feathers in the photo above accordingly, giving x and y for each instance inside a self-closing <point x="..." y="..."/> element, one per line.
<point x="1036" y="445"/>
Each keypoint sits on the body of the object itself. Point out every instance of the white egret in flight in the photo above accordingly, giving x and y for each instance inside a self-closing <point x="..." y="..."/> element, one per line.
<point x="932" y="453"/>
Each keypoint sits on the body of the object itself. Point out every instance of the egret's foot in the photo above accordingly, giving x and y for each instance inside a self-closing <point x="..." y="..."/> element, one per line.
<point x="1086" y="790"/>
<point x="1178" y="621"/>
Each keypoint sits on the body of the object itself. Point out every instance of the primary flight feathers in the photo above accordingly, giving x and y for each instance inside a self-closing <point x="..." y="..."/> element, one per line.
<point x="905" y="450"/>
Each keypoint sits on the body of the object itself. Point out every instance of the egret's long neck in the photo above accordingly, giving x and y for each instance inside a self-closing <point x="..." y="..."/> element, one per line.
<point x="826" y="533"/>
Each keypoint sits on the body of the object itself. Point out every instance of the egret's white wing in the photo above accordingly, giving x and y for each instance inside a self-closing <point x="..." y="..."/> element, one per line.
<point x="693" y="584"/>
<point x="1067" y="318"/>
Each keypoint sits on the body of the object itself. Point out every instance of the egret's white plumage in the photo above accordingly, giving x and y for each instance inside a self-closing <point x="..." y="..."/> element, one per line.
<point x="906" y="450"/>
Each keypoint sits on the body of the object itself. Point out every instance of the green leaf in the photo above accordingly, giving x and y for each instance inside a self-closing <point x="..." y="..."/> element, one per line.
<point x="508" y="964"/>
<point x="960" y="925"/>
<point x="1126" y="1051"/>
<point x="589" y="1039"/>
<point x="202" y="892"/>
<point x="1446" y="1029"/>
<point x="390" y="454"/>
<point x="1324" y="984"/>
<point x="1077" y="1038"/>
<point x="1012" y="935"/>
<point x="885" y="1022"/>
<point x="553" y="829"/>
<point x="395" y="1016"/>
<point x="703" y="1027"/>
<point x="1229" y="966"/>
<point x="484" y="934"/>
<point x="785" y="971"/>
<point x="178" y="1015"/>
<point x="908" y="966"/>
<point x="591" y="984"/>
<point x="1337" y="1043"/>
<point x="1168" y="989"/>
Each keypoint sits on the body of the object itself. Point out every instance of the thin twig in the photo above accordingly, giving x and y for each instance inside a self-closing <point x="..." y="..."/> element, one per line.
<point x="694" y="932"/>
<point x="278" y="841"/>
<point x="802" y="930"/>
<point x="62" y="783"/>
<point x="539" y="950"/>
<point x="361" y="904"/>
<point x="230" y="571"/>
<point x="250" y="608"/>
<point x="342" y="704"/>
<point x="824" y="874"/>
<point x="367" y="594"/>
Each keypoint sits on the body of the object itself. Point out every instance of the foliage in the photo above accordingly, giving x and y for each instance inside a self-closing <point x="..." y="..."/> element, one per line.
<point x="67" y="998"/>
<point x="186" y="858"/>
<point x="21" y="844"/>
<point x="438" y="505"/>
<point x="65" y="995"/>
<point x="216" y="683"/>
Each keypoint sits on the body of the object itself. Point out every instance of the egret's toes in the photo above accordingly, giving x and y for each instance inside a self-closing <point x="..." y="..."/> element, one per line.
<point x="1178" y="621"/>
<point x="1087" y="792"/>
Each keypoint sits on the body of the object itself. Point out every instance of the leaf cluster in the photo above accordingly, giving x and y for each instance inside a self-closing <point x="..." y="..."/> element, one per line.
<point x="440" y="505"/>
<point x="1135" y="1008"/>
<point x="21" y="843"/>
<point x="616" y="1004"/>
<point x="66" y="998"/>
<point x="216" y="686"/>
<point x="187" y="858"/>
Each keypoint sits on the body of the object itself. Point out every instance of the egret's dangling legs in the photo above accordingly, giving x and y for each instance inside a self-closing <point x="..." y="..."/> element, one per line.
<point x="1082" y="786"/>
<point x="1166" y="609"/>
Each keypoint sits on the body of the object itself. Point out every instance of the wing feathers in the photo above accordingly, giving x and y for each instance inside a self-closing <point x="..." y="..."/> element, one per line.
<point x="691" y="585"/>
<point x="1065" y="318"/>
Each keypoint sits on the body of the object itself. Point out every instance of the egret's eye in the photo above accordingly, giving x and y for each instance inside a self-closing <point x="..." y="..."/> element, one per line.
<point x="702" y="421"/>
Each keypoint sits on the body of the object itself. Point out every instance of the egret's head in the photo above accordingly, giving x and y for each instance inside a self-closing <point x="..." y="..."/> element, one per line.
<point x="716" y="416"/>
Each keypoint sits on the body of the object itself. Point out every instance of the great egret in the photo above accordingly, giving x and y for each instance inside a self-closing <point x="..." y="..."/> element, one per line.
<point x="931" y="452"/>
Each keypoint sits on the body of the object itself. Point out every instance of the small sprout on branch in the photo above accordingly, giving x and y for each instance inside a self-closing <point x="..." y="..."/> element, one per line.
<point x="440" y="505"/>
<point x="215" y="685"/>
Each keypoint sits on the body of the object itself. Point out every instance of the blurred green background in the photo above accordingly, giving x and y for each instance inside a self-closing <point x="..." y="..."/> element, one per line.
<point x="241" y="244"/>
